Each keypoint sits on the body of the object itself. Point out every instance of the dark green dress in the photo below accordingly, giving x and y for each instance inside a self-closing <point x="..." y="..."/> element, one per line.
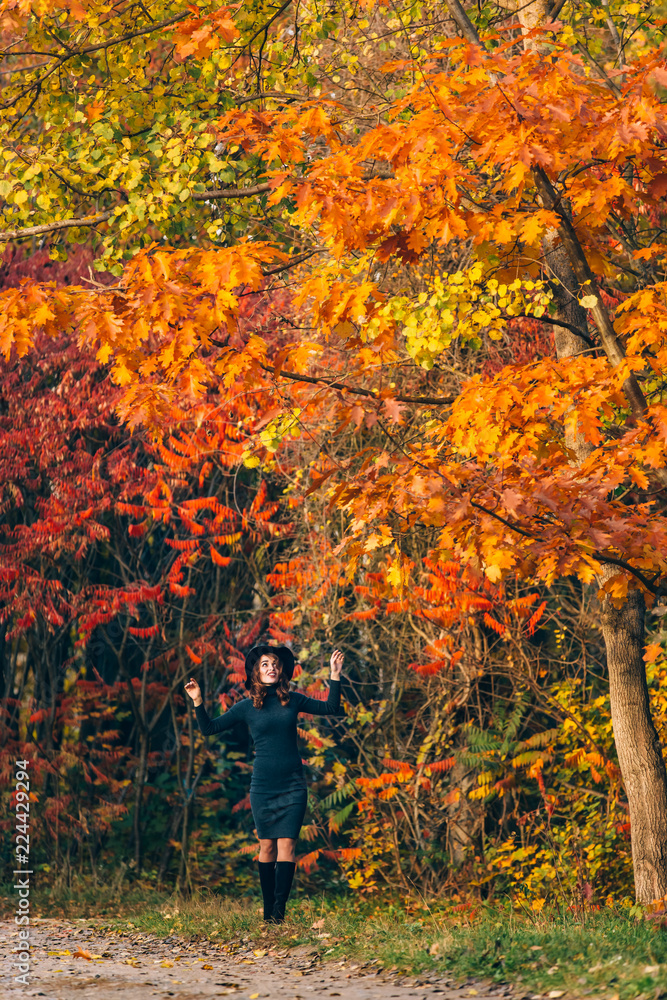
<point x="278" y="791"/>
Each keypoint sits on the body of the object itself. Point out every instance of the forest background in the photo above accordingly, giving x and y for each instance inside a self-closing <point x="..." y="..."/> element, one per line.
<point x="339" y="324"/>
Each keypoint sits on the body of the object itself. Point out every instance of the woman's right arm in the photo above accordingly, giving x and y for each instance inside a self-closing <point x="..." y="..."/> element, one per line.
<point x="209" y="726"/>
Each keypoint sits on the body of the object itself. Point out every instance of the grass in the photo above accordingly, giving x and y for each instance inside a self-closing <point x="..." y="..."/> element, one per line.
<point x="608" y="954"/>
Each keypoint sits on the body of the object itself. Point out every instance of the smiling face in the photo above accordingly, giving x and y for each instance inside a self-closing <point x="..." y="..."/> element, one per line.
<point x="269" y="668"/>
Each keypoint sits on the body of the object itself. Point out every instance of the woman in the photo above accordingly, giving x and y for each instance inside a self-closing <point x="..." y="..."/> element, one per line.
<point x="278" y="791"/>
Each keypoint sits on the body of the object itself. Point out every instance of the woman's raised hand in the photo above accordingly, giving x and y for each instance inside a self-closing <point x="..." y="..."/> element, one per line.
<point x="336" y="664"/>
<point x="194" y="691"/>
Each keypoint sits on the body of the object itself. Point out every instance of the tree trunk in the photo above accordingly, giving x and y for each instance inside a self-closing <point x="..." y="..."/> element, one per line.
<point x="139" y="797"/>
<point x="639" y="751"/>
<point x="463" y="821"/>
<point x="168" y="849"/>
<point x="183" y="880"/>
<point x="637" y="744"/>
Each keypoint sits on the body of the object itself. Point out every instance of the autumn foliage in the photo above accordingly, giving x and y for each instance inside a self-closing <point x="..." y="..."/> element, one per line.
<point x="381" y="367"/>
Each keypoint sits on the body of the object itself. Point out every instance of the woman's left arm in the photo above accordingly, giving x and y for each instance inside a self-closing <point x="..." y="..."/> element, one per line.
<point x="313" y="706"/>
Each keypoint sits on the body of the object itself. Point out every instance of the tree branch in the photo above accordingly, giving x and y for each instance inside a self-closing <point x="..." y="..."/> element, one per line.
<point x="560" y="322"/>
<point x="273" y="94"/>
<point x="611" y="560"/>
<point x="53" y="227"/>
<point x="62" y="58"/>
<point x="247" y="192"/>
<point x="650" y="586"/>
<point x="130" y="34"/>
<point x="555" y="9"/>
<point x="268" y="23"/>
<point x="291" y="263"/>
<point x="334" y="384"/>
<point x="463" y="22"/>
<point x="610" y="342"/>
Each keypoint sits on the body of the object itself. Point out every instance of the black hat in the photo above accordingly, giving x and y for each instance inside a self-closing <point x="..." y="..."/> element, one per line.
<point x="285" y="655"/>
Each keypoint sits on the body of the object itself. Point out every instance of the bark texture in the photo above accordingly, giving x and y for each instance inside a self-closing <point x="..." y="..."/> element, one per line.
<point x="637" y="745"/>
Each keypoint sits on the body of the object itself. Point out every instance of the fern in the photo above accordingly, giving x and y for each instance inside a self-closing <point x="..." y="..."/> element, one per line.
<point x="512" y="727"/>
<point x="538" y="740"/>
<point x="338" y="795"/>
<point x="482" y="740"/>
<point x="336" y="822"/>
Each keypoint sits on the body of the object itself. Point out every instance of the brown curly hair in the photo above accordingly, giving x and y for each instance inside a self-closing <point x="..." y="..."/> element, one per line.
<point x="258" y="690"/>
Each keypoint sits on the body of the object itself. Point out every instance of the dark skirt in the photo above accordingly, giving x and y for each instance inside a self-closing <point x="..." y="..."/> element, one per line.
<point x="279" y="814"/>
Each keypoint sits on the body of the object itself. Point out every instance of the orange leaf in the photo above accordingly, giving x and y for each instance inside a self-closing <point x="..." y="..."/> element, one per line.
<point x="653" y="651"/>
<point x="218" y="559"/>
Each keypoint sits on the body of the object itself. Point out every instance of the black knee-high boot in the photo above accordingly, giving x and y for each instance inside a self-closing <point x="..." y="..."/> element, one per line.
<point x="284" y="876"/>
<point x="267" y="881"/>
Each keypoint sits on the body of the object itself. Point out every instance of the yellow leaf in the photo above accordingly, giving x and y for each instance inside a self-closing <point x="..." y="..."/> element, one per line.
<point x="493" y="572"/>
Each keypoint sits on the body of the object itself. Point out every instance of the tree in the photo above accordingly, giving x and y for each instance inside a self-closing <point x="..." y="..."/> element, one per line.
<point x="103" y="617"/>
<point x="507" y="181"/>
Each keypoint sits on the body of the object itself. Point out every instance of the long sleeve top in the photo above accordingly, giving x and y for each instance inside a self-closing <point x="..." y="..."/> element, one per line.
<point x="273" y="729"/>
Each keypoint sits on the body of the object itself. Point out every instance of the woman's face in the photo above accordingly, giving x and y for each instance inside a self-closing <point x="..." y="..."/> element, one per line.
<point x="269" y="667"/>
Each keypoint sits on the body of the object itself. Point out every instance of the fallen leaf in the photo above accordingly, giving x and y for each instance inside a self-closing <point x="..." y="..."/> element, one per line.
<point x="207" y="966"/>
<point x="260" y="953"/>
<point x="80" y="953"/>
<point x="253" y="996"/>
<point x="167" y="965"/>
<point x="317" y="925"/>
<point x="554" y="994"/>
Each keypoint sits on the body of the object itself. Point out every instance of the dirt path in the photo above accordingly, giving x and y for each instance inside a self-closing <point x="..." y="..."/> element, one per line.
<point x="71" y="960"/>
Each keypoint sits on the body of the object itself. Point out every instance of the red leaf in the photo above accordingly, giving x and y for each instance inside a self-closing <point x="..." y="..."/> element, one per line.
<point x="393" y="409"/>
